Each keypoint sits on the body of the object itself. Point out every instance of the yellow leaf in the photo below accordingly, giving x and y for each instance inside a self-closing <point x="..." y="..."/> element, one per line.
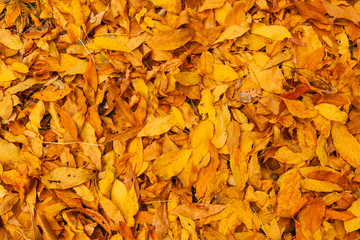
<point x="299" y="109"/>
<point x="10" y="40"/>
<point x="91" y="150"/>
<point x="156" y="126"/>
<point x="7" y="75"/>
<point x="274" y="32"/>
<point x="211" y="4"/>
<point x="171" y="6"/>
<point x="332" y="112"/>
<point x="20" y="67"/>
<point x="187" y="78"/>
<point x="278" y="58"/>
<point x="289" y="199"/>
<point x="206" y="107"/>
<point x="286" y="155"/>
<point x="6" y="107"/>
<point x="321" y="150"/>
<point x="189" y="226"/>
<point x="233" y="31"/>
<point x="111" y="209"/>
<point x="238" y="165"/>
<point x="66" y="177"/>
<point x="170" y="40"/>
<point x="171" y="164"/>
<point x="35" y="116"/>
<point x="224" y="73"/>
<point x="272" y="229"/>
<point x="111" y="44"/>
<point x="50" y="96"/>
<point x="84" y="193"/>
<point x="346" y="144"/>
<point x="106" y="182"/>
<point x="222" y="12"/>
<point x="353" y="224"/>
<point x="206" y="63"/>
<point x="320" y="186"/>
<point x="177" y="117"/>
<point x="198" y="211"/>
<point x="136" y="147"/>
<point x="126" y="201"/>
<point x="10" y="154"/>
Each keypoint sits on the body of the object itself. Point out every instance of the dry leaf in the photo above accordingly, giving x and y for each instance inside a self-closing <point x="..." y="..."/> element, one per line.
<point x="65" y="177"/>
<point x="346" y="144"/>
<point x="170" y="40"/>
<point x="10" y="40"/>
<point x="274" y="32"/>
<point x="171" y="164"/>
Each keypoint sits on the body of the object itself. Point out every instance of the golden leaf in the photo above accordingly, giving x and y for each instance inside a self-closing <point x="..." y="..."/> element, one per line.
<point x="66" y="177"/>
<point x="10" y="40"/>
<point x="171" y="164"/>
<point x="289" y="199"/>
<point x="346" y="144"/>
<point x="233" y="31"/>
<point x="125" y="201"/>
<point x="111" y="44"/>
<point x="156" y="126"/>
<point x="170" y="40"/>
<point x="10" y="153"/>
<point x="171" y="6"/>
<point x="274" y="32"/>
<point x="238" y="165"/>
<point x="195" y="212"/>
<point x="211" y="4"/>
<point x="331" y="112"/>
<point x="299" y="109"/>
<point x="320" y="186"/>
<point x="224" y="73"/>
<point x="187" y="78"/>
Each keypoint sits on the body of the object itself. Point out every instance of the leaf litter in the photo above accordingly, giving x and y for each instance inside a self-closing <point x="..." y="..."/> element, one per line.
<point x="186" y="119"/>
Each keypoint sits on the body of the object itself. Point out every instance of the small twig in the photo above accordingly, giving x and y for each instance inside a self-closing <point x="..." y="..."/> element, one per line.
<point x="68" y="143"/>
<point x="21" y="233"/>
<point x="82" y="43"/>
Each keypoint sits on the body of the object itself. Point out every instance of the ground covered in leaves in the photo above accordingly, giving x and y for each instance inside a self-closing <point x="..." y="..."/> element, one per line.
<point x="183" y="119"/>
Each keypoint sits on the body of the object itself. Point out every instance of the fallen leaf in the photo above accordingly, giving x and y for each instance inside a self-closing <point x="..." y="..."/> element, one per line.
<point x="65" y="177"/>
<point x="238" y="165"/>
<point x="233" y="31"/>
<point x="274" y="32"/>
<point x="170" y="40"/>
<point x="187" y="78"/>
<point x="156" y="126"/>
<point x="346" y="144"/>
<point x="10" y="40"/>
<point x="224" y="73"/>
<point x="171" y="164"/>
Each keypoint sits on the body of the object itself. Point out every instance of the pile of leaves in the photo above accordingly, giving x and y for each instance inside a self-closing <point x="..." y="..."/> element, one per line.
<point x="181" y="119"/>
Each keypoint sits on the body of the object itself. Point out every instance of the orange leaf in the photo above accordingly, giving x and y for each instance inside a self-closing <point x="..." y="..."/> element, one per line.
<point x="170" y="40"/>
<point x="340" y="215"/>
<point x="68" y="123"/>
<point x="314" y="213"/>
